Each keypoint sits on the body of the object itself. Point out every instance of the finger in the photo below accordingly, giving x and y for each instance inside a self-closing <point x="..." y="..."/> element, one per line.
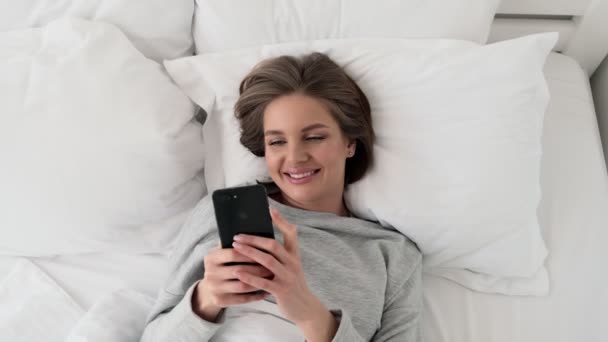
<point x="289" y="231"/>
<point x="229" y="272"/>
<point x="213" y="255"/>
<point x="271" y="246"/>
<point x="226" y="255"/>
<point x="265" y="259"/>
<point x="236" y="287"/>
<point x="267" y="285"/>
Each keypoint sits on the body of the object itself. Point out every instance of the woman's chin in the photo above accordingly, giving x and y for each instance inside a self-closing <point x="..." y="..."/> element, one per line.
<point x="299" y="193"/>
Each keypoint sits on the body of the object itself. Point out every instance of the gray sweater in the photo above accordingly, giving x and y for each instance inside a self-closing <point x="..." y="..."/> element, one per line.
<point x="368" y="276"/>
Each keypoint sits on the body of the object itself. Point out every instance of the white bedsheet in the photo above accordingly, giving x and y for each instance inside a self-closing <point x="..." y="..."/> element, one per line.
<point x="574" y="217"/>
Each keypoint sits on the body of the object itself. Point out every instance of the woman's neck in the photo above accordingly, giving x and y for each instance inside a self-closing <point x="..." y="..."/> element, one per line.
<point x="334" y="206"/>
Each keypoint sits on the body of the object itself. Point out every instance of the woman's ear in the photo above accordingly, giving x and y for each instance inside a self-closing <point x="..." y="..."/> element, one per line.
<point x="351" y="148"/>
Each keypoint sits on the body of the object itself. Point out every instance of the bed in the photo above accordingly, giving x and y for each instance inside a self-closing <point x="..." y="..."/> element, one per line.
<point x="573" y="214"/>
<point x="573" y="210"/>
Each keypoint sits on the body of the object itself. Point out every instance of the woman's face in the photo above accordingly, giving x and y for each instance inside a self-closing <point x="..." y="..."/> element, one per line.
<point x="305" y="151"/>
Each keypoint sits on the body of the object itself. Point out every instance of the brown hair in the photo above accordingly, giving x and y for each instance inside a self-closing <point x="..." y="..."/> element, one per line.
<point x="314" y="75"/>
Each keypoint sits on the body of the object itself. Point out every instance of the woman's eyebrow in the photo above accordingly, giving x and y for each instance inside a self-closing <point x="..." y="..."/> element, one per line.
<point x="313" y="126"/>
<point x="272" y="132"/>
<point x="305" y="129"/>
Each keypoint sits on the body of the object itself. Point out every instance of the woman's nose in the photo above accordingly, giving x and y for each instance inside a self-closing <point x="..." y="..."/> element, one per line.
<point x="296" y="153"/>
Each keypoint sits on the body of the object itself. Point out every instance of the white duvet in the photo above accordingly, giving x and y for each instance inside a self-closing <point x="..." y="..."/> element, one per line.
<point x="33" y="307"/>
<point x="37" y="309"/>
<point x="259" y="321"/>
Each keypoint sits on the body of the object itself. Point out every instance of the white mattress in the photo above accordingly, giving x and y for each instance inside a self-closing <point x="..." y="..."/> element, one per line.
<point x="574" y="217"/>
<point x="574" y="214"/>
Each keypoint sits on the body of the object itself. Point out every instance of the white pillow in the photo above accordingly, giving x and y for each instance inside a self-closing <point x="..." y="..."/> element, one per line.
<point x="160" y="29"/>
<point x="99" y="151"/>
<point x="457" y="154"/>
<point x="228" y="24"/>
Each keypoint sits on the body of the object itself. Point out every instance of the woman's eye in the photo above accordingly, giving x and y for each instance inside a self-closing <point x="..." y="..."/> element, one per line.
<point x="313" y="138"/>
<point x="276" y="142"/>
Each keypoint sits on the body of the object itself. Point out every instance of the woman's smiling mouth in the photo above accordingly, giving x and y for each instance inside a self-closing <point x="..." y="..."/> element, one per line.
<point x="301" y="176"/>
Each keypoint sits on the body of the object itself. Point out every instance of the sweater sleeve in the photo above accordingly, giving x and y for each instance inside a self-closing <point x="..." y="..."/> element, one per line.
<point x="399" y="319"/>
<point x="346" y="331"/>
<point x="178" y="322"/>
<point x="172" y="317"/>
<point x="401" y="316"/>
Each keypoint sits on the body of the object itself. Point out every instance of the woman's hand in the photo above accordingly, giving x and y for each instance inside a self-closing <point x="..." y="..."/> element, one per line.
<point x="289" y="288"/>
<point x="220" y="287"/>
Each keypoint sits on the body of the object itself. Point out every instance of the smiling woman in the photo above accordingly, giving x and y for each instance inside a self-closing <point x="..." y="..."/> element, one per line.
<point x="328" y="276"/>
<point x="306" y="153"/>
<point x="312" y="123"/>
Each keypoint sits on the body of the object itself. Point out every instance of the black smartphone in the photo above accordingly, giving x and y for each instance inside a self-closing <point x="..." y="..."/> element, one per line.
<point x="242" y="210"/>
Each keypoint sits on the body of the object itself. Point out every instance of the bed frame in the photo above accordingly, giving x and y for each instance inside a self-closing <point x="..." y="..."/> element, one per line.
<point x="583" y="28"/>
<point x="599" y="84"/>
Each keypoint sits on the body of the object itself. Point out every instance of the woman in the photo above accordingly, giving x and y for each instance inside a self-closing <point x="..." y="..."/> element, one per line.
<point x="333" y="277"/>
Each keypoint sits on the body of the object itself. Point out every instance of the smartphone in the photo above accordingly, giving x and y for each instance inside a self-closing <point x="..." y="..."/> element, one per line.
<point x="242" y="210"/>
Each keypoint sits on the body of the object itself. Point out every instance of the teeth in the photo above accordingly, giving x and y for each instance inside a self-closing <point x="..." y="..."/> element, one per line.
<point x="301" y="175"/>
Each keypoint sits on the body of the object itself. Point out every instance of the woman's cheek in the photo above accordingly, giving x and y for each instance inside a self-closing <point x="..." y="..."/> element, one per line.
<point x="272" y="163"/>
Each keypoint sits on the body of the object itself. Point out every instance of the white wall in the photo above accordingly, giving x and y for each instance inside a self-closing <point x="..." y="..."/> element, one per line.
<point x="589" y="43"/>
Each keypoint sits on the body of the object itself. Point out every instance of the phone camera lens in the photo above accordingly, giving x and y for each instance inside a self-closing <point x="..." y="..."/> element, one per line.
<point x="235" y="196"/>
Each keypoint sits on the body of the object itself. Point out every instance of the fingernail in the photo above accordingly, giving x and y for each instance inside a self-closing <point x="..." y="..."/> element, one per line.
<point x="238" y="238"/>
<point x="236" y="245"/>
